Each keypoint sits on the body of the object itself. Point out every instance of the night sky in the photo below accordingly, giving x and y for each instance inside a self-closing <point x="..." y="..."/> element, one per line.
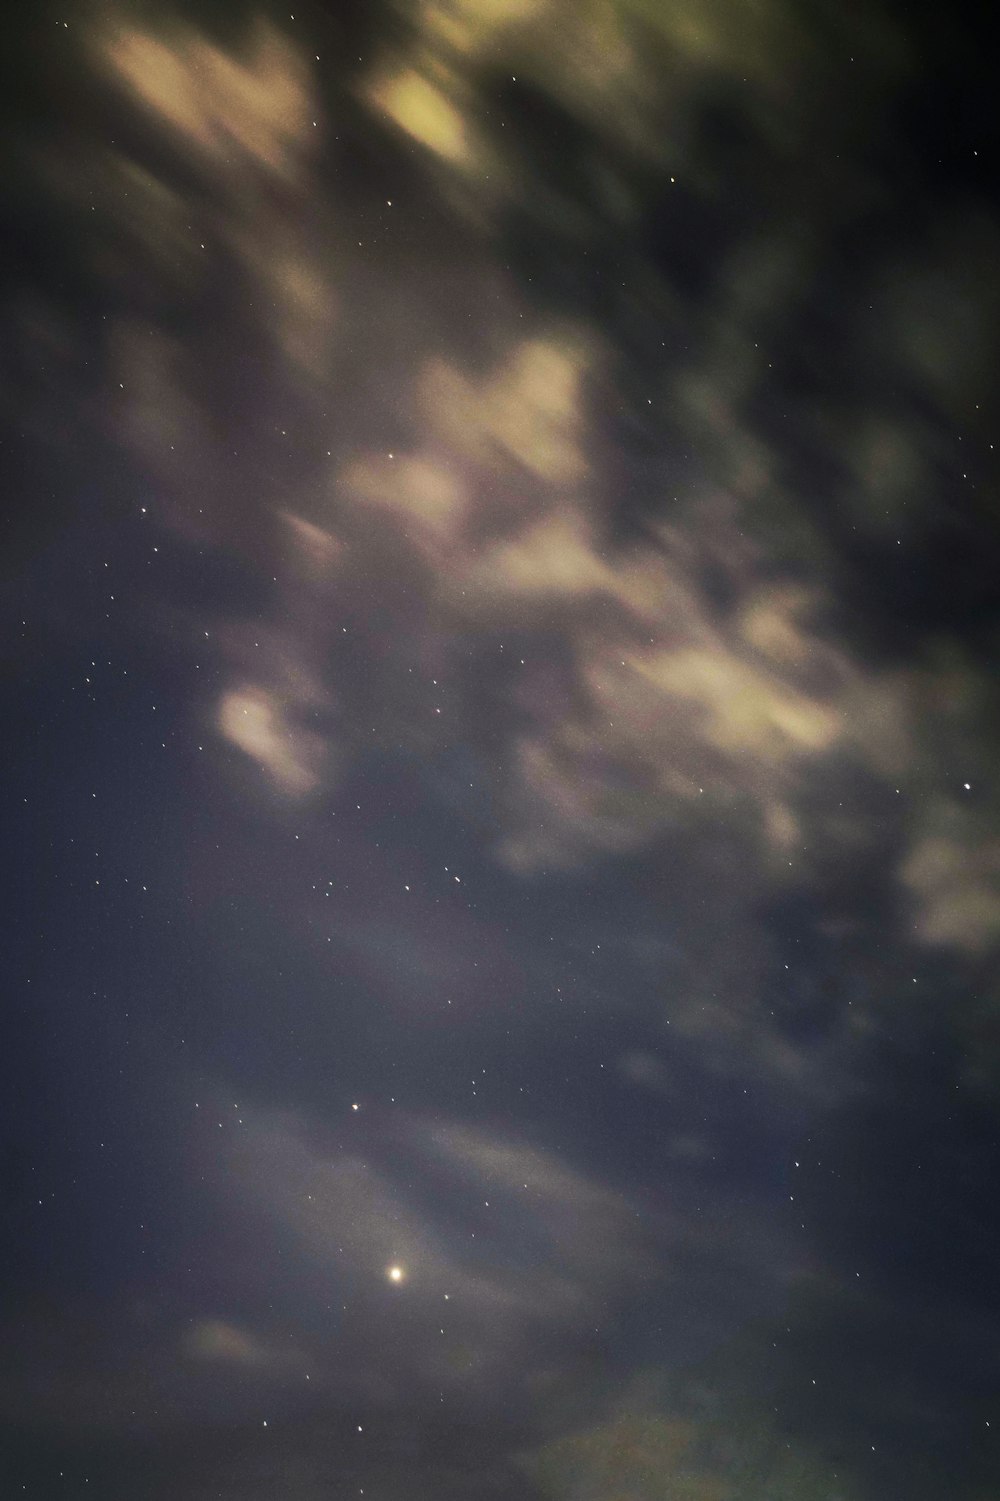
<point x="499" y="644"/>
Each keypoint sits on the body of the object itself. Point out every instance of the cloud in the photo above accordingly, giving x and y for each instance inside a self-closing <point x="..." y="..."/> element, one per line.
<point x="646" y="646"/>
<point x="952" y="872"/>
<point x="514" y="1262"/>
<point x="542" y="1245"/>
<point x="528" y="413"/>
<point x="586" y="1229"/>
<point x="426" y="498"/>
<point x="440" y="508"/>
<point x="694" y="709"/>
<point x="248" y="124"/>
<point x="217" y="1342"/>
<point x="255" y="721"/>
<point x="663" y="700"/>
<point x="668" y="1454"/>
<point x="642" y="703"/>
<point x="139" y="1366"/>
<point x="252" y="109"/>
<point x="423" y="110"/>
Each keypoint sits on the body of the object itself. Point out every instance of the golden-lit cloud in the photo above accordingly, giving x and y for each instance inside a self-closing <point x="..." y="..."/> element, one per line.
<point x="251" y="122"/>
<point x="257" y="723"/>
<point x="952" y="872"/>
<point x="427" y="500"/>
<point x="744" y="711"/>
<point x="422" y="109"/>
<point x="655" y="707"/>
<point x="231" y="110"/>
<point x="553" y="559"/>
<point x="528" y="412"/>
<point x="700" y="710"/>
